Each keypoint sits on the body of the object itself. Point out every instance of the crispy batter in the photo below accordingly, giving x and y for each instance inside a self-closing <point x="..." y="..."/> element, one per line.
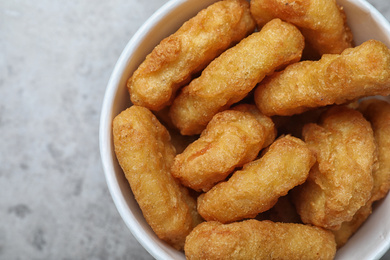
<point x="341" y="181"/>
<point x="172" y="63"/>
<point x="257" y="187"/>
<point x="144" y="151"/>
<point x="252" y="239"/>
<point x="322" y="22"/>
<point x="335" y="79"/>
<point x="231" y="76"/>
<point x="231" y="139"/>
<point x="267" y="123"/>
<point x="377" y="113"/>
<point x="348" y="228"/>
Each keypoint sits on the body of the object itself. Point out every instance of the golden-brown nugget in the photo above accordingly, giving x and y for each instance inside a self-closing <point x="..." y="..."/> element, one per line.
<point x="335" y="79"/>
<point x="267" y="123"/>
<point x="377" y="113"/>
<point x="231" y="76"/>
<point x="257" y="187"/>
<point x="322" y="22"/>
<point x="341" y="181"/>
<point x="231" y="139"/>
<point x="198" y="41"/>
<point x="348" y="228"/>
<point x="143" y="148"/>
<point x="252" y="239"/>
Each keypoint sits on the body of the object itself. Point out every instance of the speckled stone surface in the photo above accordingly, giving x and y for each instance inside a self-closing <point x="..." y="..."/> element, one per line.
<point x="55" y="61"/>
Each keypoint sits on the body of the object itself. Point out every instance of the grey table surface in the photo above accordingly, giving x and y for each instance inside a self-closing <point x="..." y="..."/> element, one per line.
<point x="55" y="60"/>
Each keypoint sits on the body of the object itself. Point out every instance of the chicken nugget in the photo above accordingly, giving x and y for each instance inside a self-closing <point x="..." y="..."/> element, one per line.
<point x="231" y="76"/>
<point x="145" y="153"/>
<point x="267" y="123"/>
<point x="322" y="22"/>
<point x="349" y="228"/>
<point x="257" y="187"/>
<point x="341" y="181"/>
<point x="231" y="139"/>
<point x="377" y="112"/>
<point x="253" y="239"/>
<point x="198" y="41"/>
<point x="335" y="79"/>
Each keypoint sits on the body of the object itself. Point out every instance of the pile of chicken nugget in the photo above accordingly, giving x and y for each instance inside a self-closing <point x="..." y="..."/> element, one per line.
<point x="257" y="131"/>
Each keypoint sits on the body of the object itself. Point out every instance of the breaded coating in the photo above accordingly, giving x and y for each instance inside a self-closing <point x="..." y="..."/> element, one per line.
<point x="257" y="187"/>
<point x="349" y="228"/>
<point x="341" y="181"/>
<point x="377" y="112"/>
<point x="231" y="139"/>
<point x="322" y="22"/>
<point x="231" y="76"/>
<point x="267" y="123"/>
<point x="252" y="239"/>
<point x="145" y="153"/>
<point x="178" y="57"/>
<point x="335" y="79"/>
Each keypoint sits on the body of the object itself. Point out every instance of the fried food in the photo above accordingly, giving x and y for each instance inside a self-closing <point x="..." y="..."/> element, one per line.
<point x="231" y="76"/>
<point x="335" y="79"/>
<point x="267" y="123"/>
<point x="341" y="181"/>
<point x="145" y="153"/>
<point x="377" y="112"/>
<point x="332" y="178"/>
<point x="348" y="228"/>
<point x="231" y="139"/>
<point x="198" y="41"/>
<point x="252" y="239"/>
<point x="322" y="22"/>
<point x="257" y="187"/>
